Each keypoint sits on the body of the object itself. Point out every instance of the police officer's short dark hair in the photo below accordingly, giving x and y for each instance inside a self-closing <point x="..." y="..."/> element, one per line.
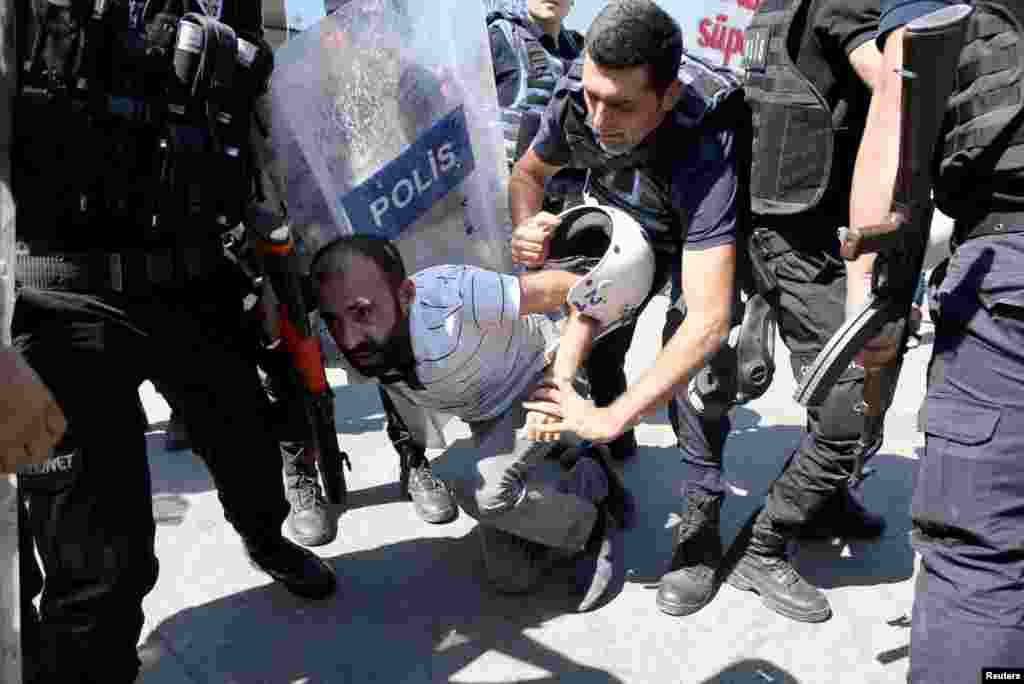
<point x="630" y="33"/>
<point x="333" y="257"/>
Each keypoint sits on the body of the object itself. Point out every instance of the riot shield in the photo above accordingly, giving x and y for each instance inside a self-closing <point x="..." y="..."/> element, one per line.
<point x="10" y="646"/>
<point x="385" y="118"/>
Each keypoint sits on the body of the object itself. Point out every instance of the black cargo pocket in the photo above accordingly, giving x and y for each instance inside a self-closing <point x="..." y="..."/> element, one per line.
<point x="803" y="267"/>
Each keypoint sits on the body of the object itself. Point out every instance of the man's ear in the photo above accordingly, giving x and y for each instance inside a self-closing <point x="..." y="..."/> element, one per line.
<point x="672" y="95"/>
<point x="406" y="293"/>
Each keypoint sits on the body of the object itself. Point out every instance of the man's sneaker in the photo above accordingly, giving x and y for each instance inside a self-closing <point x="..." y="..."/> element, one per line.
<point x="692" y="580"/>
<point x="595" y="565"/>
<point x="765" y="569"/>
<point x="431" y="498"/>
<point x="301" y="571"/>
<point x="310" y="521"/>
<point x="176" y="438"/>
<point x="845" y="516"/>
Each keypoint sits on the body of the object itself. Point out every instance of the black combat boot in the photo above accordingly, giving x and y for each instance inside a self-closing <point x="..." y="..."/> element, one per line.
<point x="845" y="516"/>
<point x="764" y="568"/>
<point x="310" y="520"/>
<point x="302" y="572"/>
<point x="431" y="498"/>
<point x="692" y="580"/>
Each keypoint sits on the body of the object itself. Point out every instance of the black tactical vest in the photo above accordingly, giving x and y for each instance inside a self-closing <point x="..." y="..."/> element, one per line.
<point x="640" y="181"/>
<point x="981" y="155"/>
<point x="794" y="128"/>
<point x="132" y="121"/>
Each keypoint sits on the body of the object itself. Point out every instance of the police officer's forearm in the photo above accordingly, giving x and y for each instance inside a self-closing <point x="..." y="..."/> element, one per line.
<point x="699" y="337"/>
<point x="525" y="195"/>
<point x="874" y="176"/>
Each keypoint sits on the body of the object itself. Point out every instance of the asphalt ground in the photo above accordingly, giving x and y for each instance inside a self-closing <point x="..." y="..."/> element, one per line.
<point x="413" y="606"/>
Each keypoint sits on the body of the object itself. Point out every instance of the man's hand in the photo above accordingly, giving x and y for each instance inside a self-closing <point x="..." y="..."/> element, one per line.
<point x="32" y="422"/>
<point x="546" y="394"/>
<point x="576" y="415"/>
<point x="531" y="239"/>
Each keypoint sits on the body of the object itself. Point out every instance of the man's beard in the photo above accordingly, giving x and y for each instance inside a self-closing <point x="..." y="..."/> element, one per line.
<point x="383" y="357"/>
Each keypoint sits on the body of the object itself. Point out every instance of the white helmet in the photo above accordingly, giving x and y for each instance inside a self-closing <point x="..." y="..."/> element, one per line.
<point x="610" y="249"/>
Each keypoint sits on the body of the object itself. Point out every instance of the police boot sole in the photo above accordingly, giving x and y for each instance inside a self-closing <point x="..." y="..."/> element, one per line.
<point x="739" y="580"/>
<point x="679" y="609"/>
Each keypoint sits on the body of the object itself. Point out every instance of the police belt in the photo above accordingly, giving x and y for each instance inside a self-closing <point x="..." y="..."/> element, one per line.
<point x="994" y="223"/>
<point x="134" y="271"/>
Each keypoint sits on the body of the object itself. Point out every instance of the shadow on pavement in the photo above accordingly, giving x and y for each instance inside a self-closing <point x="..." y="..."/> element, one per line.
<point x="419" y="610"/>
<point x="887" y="560"/>
<point x="754" y="457"/>
<point x="752" y="671"/>
<point x="174" y="474"/>
<point x="415" y="611"/>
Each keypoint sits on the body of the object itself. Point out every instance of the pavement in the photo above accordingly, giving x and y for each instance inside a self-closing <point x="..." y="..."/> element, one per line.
<point x="413" y="606"/>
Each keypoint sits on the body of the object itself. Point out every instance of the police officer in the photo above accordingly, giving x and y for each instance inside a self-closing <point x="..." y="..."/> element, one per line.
<point x="652" y="135"/>
<point x="969" y="495"/>
<point x="809" y="66"/>
<point x="530" y="51"/>
<point x="131" y="158"/>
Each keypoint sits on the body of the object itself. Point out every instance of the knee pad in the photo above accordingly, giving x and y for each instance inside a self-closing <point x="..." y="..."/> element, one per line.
<point x="755" y="350"/>
<point x="743" y="369"/>
<point x="712" y="392"/>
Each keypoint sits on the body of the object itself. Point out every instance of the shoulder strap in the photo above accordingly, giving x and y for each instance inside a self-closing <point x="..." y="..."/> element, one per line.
<point x="706" y="88"/>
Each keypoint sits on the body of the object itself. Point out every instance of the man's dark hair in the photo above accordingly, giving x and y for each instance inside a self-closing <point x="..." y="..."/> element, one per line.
<point x="333" y="257"/>
<point x="629" y="33"/>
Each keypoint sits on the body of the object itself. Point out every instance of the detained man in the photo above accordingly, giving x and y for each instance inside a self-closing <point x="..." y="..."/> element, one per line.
<point x="474" y="343"/>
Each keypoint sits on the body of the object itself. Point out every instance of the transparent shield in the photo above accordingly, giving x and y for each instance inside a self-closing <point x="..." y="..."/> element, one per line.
<point x="385" y="119"/>
<point x="6" y="261"/>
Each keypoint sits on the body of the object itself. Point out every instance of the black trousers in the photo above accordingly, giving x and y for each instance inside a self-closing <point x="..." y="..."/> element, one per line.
<point x="804" y="281"/>
<point x="90" y="510"/>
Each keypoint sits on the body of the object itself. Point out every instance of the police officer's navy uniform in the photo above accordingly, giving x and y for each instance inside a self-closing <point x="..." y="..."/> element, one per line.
<point x="131" y="158"/>
<point x="968" y="504"/>
<point x="681" y="185"/>
<point x="809" y="109"/>
<point x="527" y="66"/>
